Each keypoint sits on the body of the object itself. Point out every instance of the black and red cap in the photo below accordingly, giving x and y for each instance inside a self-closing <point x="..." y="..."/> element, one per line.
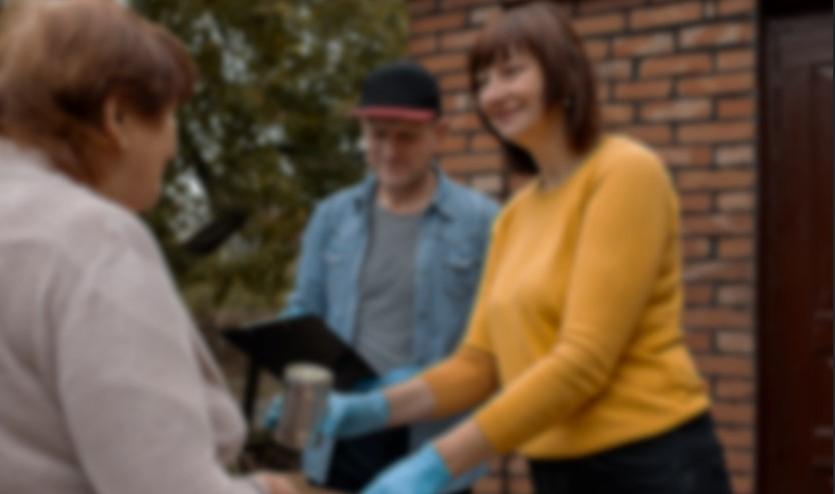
<point x="402" y="90"/>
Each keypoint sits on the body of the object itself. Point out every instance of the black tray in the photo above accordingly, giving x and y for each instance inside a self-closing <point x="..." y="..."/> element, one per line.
<point x="275" y="343"/>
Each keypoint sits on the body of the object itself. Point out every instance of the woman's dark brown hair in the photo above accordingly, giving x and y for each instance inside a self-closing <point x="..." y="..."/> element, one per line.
<point x="543" y="30"/>
<point x="61" y="60"/>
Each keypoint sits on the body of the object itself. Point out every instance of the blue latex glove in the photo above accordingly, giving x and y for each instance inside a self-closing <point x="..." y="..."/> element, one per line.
<point x="348" y="415"/>
<point x="421" y="473"/>
<point x="273" y="413"/>
<point x="394" y="376"/>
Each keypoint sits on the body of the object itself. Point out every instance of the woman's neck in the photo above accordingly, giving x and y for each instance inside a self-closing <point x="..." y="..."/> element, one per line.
<point x="553" y="154"/>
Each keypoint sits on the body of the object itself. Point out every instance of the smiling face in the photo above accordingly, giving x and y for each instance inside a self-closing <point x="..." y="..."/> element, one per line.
<point x="400" y="151"/>
<point x="511" y="95"/>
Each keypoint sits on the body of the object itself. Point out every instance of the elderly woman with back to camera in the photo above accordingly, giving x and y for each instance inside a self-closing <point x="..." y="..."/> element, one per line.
<point x="106" y="385"/>
<point x="574" y="348"/>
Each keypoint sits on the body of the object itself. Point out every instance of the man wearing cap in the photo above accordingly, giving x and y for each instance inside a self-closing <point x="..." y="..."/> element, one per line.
<point x="392" y="263"/>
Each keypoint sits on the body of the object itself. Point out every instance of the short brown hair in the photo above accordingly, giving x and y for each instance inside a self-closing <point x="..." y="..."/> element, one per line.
<point x="544" y="31"/>
<point x="60" y="61"/>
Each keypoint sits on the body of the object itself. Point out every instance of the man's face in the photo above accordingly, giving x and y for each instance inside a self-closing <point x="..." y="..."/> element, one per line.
<point x="400" y="151"/>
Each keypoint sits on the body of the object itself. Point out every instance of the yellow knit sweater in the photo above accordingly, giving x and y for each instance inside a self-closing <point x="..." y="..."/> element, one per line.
<point x="576" y="330"/>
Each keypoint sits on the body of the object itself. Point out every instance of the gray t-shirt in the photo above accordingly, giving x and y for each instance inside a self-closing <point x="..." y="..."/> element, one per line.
<point x="387" y="283"/>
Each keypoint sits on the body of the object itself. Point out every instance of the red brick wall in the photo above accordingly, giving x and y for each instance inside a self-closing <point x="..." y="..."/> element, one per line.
<point x="680" y="75"/>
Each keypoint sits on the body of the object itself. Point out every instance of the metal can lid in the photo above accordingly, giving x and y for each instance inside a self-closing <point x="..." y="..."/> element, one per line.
<point x="307" y="372"/>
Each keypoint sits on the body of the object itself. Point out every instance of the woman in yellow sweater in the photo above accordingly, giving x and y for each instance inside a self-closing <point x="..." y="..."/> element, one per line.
<point x="574" y="350"/>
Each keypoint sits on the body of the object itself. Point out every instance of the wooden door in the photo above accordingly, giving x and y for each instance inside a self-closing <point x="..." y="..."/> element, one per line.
<point x="795" y="268"/>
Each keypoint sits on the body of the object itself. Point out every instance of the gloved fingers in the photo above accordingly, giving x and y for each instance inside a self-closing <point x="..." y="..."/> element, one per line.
<point x="423" y="472"/>
<point x="330" y="423"/>
<point x="273" y="414"/>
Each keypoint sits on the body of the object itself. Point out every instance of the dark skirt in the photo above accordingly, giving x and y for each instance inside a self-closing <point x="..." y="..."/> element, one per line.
<point x="686" y="460"/>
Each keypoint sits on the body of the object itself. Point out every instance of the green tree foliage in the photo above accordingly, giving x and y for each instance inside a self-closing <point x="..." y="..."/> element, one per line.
<point x="267" y="132"/>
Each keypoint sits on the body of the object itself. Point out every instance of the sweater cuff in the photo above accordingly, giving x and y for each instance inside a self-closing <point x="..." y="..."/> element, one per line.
<point x="462" y="381"/>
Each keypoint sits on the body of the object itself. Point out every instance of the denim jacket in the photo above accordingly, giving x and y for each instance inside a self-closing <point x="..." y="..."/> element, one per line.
<point x="452" y="239"/>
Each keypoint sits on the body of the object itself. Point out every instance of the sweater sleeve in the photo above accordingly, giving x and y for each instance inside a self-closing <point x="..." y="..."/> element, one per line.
<point x="462" y="381"/>
<point x="625" y="229"/>
<point x="128" y="379"/>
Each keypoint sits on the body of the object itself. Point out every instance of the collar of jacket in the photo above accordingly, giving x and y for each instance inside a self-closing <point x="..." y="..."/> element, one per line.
<point x="441" y="199"/>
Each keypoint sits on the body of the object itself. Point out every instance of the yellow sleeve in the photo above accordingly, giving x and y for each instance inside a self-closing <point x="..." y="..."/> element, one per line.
<point x="625" y="228"/>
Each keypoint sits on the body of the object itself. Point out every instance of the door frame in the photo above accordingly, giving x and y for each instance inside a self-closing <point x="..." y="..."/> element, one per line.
<point x="805" y="12"/>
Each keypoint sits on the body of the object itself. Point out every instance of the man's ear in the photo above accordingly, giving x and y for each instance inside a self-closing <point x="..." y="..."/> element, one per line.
<point x="114" y="122"/>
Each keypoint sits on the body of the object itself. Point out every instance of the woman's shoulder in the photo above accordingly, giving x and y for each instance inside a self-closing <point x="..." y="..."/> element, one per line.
<point x="623" y="151"/>
<point x="71" y="219"/>
<point x="621" y="157"/>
